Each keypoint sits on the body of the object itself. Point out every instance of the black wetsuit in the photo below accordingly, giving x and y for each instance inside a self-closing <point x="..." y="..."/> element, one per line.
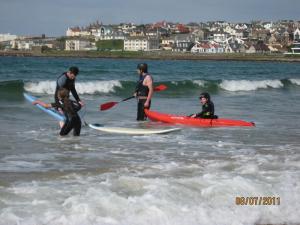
<point x="142" y="91"/>
<point x="73" y="120"/>
<point x="63" y="81"/>
<point x="208" y="111"/>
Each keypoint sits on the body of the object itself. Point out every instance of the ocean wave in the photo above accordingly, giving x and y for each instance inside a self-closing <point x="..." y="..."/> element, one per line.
<point x="250" y="85"/>
<point x="15" y="88"/>
<point x="295" y="81"/>
<point x="200" y="83"/>
<point x="91" y="87"/>
<point x="11" y="90"/>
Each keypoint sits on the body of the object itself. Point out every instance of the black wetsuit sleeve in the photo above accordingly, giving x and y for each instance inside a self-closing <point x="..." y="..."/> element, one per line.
<point x="55" y="105"/>
<point x="74" y="92"/>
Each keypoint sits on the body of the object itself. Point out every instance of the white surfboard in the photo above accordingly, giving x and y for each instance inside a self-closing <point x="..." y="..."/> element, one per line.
<point x="134" y="131"/>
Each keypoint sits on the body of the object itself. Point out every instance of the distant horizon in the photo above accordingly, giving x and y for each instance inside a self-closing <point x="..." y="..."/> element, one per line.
<point x="52" y="18"/>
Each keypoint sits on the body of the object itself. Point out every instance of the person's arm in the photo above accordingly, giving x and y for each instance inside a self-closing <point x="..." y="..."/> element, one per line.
<point x="149" y="84"/>
<point x="42" y="104"/>
<point x="74" y="93"/>
<point x="196" y="115"/>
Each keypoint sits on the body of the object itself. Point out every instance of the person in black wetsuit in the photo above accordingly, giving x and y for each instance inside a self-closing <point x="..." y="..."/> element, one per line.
<point x="208" y="108"/>
<point x="143" y="91"/>
<point x="69" y="108"/>
<point x="67" y="81"/>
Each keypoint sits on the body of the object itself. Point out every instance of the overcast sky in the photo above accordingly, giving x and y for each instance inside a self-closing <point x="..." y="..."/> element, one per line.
<point x="53" y="17"/>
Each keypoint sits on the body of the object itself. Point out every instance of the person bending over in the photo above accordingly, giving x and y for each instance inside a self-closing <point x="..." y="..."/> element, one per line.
<point x="69" y="108"/>
<point x="67" y="81"/>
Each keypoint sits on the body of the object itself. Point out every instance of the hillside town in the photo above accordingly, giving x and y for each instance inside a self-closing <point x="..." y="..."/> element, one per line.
<point x="198" y="38"/>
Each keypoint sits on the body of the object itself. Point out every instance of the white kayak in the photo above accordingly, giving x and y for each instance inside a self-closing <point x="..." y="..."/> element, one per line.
<point x="134" y="131"/>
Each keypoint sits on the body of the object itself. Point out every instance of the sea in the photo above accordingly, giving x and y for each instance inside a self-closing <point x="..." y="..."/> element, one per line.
<point x="195" y="176"/>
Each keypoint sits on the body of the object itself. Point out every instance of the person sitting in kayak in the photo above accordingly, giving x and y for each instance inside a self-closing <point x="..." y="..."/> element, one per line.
<point x="69" y="108"/>
<point x="208" y="109"/>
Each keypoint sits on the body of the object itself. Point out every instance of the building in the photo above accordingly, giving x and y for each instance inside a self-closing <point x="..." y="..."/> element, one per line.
<point x="297" y="35"/>
<point x="296" y="48"/>
<point x="141" y="44"/>
<point x="167" y="44"/>
<point x="108" y="33"/>
<point x="77" y="32"/>
<point x="78" y="45"/>
<point x="207" y="47"/>
<point x="31" y="42"/>
<point x="220" y="37"/>
<point x="7" y="37"/>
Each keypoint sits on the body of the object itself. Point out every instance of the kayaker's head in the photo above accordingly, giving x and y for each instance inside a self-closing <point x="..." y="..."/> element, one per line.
<point x="142" y="68"/>
<point x="63" y="93"/>
<point x="204" y="98"/>
<point x="72" y="73"/>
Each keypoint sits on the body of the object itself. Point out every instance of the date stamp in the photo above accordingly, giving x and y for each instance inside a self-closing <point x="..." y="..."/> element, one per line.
<point x="266" y="200"/>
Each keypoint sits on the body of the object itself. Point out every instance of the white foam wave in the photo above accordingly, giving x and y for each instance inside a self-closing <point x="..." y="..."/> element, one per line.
<point x="247" y="85"/>
<point x="199" y="82"/>
<point x="132" y="200"/>
<point x="295" y="81"/>
<point x="90" y="87"/>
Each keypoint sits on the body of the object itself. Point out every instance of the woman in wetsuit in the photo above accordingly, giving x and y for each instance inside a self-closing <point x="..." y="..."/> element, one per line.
<point x="69" y="108"/>
<point x="143" y="91"/>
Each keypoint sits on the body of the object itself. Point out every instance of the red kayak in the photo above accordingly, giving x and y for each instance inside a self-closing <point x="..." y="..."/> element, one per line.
<point x="195" y="122"/>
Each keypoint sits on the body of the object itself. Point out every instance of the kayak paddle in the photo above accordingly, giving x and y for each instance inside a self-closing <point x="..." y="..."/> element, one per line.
<point x="109" y="105"/>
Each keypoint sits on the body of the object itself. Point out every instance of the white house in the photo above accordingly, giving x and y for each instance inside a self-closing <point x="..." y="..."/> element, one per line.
<point x="220" y="37"/>
<point x="77" y="32"/>
<point x="108" y="33"/>
<point x="235" y="39"/>
<point x="22" y="44"/>
<point x="7" y="37"/>
<point x="127" y="28"/>
<point x="140" y="44"/>
<point x="229" y="30"/>
<point x="241" y="27"/>
<point x="297" y="35"/>
<point x="207" y="47"/>
<point x="28" y="43"/>
<point x="77" y="45"/>
<point x="167" y="43"/>
<point x="268" y="25"/>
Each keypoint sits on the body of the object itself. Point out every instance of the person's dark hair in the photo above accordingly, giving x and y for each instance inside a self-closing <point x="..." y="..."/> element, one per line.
<point x="64" y="94"/>
<point x="74" y="70"/>
<point x="143" y="67"/>
<point x="205" y="95"/>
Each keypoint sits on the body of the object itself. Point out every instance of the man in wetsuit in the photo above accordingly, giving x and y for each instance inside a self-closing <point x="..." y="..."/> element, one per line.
<point x="67" y="81"/>
<point x="143" y="91"/>
<point x="208" y="108"/>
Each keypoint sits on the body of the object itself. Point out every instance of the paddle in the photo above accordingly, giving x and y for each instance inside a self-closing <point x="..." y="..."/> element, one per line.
<point x="109" y="105"/>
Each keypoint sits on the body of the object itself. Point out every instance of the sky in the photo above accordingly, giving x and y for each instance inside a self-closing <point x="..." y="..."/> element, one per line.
<point x="53" y="17"/>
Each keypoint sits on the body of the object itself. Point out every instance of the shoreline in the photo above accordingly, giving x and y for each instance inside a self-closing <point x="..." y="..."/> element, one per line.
<point x="158" y="55"/>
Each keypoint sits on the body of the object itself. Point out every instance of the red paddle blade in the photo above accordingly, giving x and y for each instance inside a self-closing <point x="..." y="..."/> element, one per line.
<point x="107" y="105"/>
<point x="161" y="87"/>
